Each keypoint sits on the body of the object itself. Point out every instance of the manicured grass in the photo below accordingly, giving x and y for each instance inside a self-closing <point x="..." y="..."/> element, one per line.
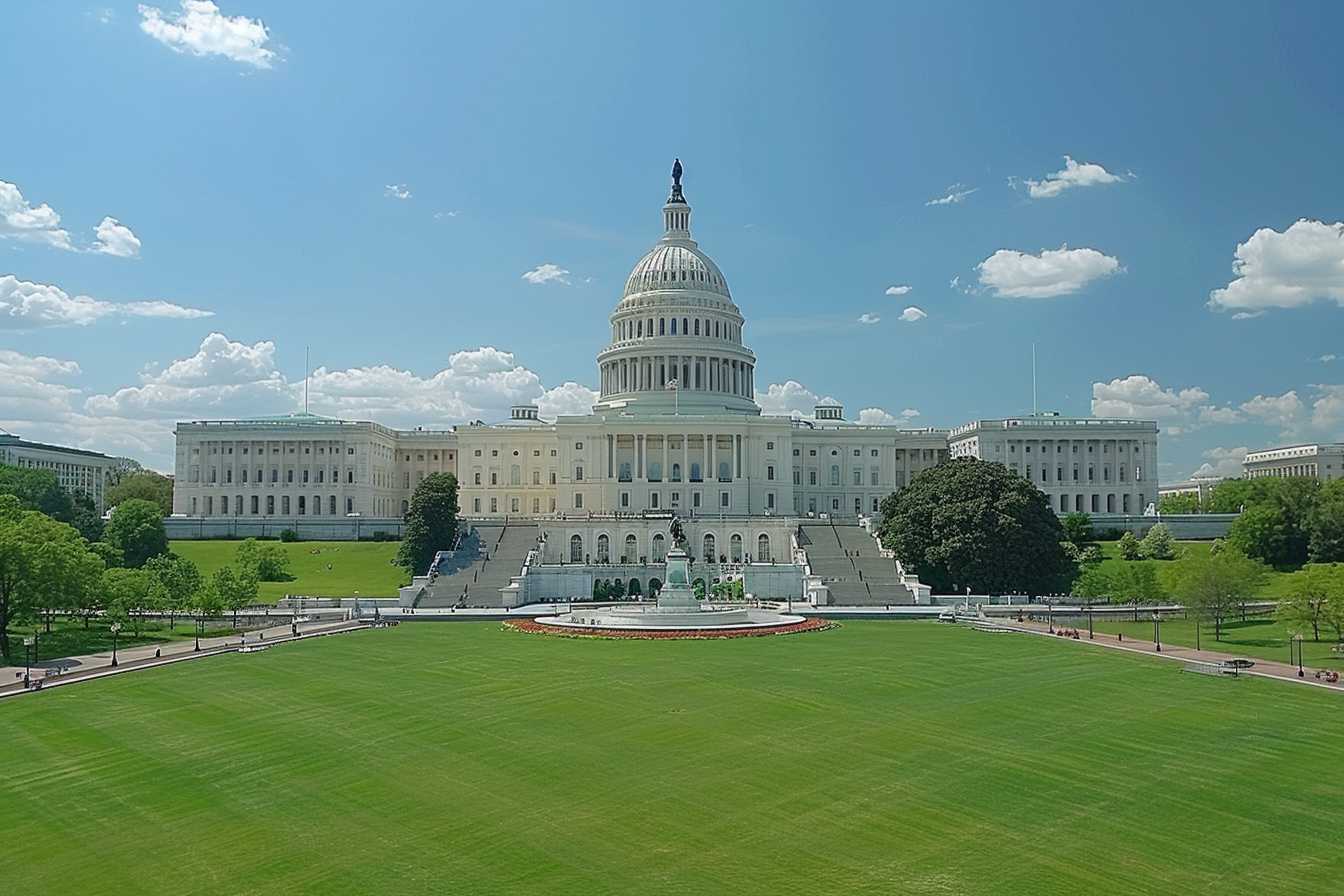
<point x="1277" y="583"/>
<point x="1262" y="638"/>
<point x="879" y="757"/>
<point x="363" y="566"/>
<point x="74" y="638"/>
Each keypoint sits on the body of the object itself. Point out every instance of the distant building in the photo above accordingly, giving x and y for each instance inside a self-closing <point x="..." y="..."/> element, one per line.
<point x="76" y="470"/>
<point x="1321" y="462"/>
<point x="1200" y="486"/>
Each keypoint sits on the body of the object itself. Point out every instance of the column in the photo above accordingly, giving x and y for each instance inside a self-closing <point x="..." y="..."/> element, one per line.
<point x="664" y="472"/>
<point x="712" y="458"/>
<point x="639" y="457"/>
<point x="737" y="443"/>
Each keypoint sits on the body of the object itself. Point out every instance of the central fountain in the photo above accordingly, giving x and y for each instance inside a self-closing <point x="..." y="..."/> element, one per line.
<point x="676" y="609"/>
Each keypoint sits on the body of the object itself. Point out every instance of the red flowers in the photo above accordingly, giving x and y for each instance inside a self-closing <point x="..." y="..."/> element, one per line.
<point x="533" y="627"/>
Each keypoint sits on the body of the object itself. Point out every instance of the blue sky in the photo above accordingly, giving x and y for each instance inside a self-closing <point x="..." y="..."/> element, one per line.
<point x="375" y="181"/>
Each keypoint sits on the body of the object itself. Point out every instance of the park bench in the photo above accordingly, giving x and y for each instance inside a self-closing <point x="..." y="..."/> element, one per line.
<point x="1211" y="668"/>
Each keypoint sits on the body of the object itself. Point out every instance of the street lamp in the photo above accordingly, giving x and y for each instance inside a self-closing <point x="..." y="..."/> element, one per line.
<point x="114" y="627"/>
<point x="198" y="635"/>
<point x="1050" y="613"/>
<point x="1089" y="620"/>
<point x="27" y="663"/>
<point x="1157" y="630"/>
<point x="1301" y="673"/>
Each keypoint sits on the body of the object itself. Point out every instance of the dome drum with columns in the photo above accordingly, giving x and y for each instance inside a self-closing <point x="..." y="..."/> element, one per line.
<point x="676" y="336"/>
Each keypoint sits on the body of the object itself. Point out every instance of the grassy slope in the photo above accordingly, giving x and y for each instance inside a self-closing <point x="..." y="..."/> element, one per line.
<point x="362" y="566"/>
<point x="877" y="758"/>
<point x="1276" y="584"/>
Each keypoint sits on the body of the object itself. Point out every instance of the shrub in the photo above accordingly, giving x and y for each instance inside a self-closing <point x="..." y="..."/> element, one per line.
<point x="1129" y="547"/>
<point x="1157" y="544"/>
<point x="288" y="535"/>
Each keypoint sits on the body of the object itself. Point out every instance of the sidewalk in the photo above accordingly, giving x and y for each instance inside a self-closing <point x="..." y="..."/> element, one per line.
<point x="95" y="665"/>
<point x="1263" y="668"/>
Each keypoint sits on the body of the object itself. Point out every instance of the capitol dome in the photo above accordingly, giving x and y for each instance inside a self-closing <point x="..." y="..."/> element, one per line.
<point x="676" y="336"/>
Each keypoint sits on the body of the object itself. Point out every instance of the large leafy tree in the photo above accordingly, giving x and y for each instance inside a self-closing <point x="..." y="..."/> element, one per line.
<point x="1325" y="526"/>
<point x="1294" y="499"/>
<point x="431" y="522"/>
<point x="1077" y="528"/>
<point x="1307" y="605"/>
<point x="145" y="485"/>
<point x="974" y="524"/>
<point x="136" y="529"/>
<point x="1186" y="503"/>
<point x="1212" y="586"/>
<point x="267" y="562"/>
<point x="36" y="490"/>
<point x="42" y="561"/>
<point x="1262" y="532"/>
<point x="127" y="594"/>
<point x="177" y="580"/>
<point x="235" y="589"/>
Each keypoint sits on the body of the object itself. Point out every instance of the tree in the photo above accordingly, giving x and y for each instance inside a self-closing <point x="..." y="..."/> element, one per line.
<point x="267" y="562"/>
<point x="431" y="522"/>
<point x="1307" y="604"/>
<point x="85" y="518"/>
<point x="1261" y="533"/>
<point x="109" y="555"/>
<point x="1122" y="583"/>
<point x="633" y="590"/>
<point x="616" y="590"/>
<point x="40" y="560"/>
<point x="1077" y="528"/>
<point x="136" y="529"/>
<point x="126" y="595"/>
<point x="1156" y="545"/>
<point x="36" y="490"/>
<point x="1294" y="497"/>
<point x="144" y="485"/>
<point x="1212" y="586"/>
<point x="235" y="589"/>
<point x="599" y="590"/>
<point x="1334" y="602"/>
<point x="973" y="523"/>
<point x="1325" y="525"/>
<point x="1129" y="547"/>
<point x="178" y="580"/>
<point x="1184" y="503"/>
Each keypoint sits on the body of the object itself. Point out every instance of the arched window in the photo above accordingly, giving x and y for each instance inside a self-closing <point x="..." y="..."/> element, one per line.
<point x="724" y="474"/>
<point x="639" y="328"/>
<point x="575" y="549"/>
<point x="676" y="472"/>
<point x="685" y="326"/>
<point x="659" y="551"/>
<point x="603" y="549"/>
<point x="709" y="548"/>
<point x="631" y="550"/>
<point x="674" y="326"/>
<point x="716" y="329"/>
<point x="662" y="325"/>
<point x="763" y="549"/>
<point x="735" y="548"/>
<point x="633" y="589"/>
<point x="697" y="326"/>
<point x="695" y="471"/>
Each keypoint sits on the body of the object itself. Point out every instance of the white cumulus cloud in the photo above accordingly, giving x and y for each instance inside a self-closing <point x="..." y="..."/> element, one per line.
<point x="1073" y="174"/>
<point x="912" y="314"/>
<point x="880" y="417"/>
<point x="397" y="191"/>
<point x="898" y="290"/>
<point x="25" y="305"/>
<point x="1054" y="272"/>
<point x="1143" y="398"/>
<point x="1277" y="410"/>
<point x="869" y="318"/>
<point x="21" y="220"/>
<point x="115" y="238"/>
<point x="1303" y="264"/>
<point x="1224" y="462"/>
<point x="789" y="399"/>
<point x="202" y="30"/>
<point x="547" y="273"/>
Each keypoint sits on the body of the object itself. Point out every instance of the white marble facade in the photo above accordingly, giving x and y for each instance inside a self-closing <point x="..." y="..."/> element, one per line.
<point x="675" y="429"/>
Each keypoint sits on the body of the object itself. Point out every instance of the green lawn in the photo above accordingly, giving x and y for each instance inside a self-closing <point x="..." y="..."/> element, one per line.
<point x="74" y="638"/>
<point x="877" y="758"/>
<point x="363" y="566"/>
<point x="1277" y="583"/>
<point x="1263" y="638"/>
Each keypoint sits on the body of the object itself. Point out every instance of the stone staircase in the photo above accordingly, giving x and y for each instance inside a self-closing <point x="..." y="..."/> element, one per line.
<point x="849" y="561"/>
<point x="487" y="560"/>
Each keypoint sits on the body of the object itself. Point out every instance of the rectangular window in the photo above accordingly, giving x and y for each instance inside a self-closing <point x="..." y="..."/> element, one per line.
<point x="475" y="505"/>
<point x="723" y="499"/>
<point x="494" y="505"/>
<point x="578" y="500"/>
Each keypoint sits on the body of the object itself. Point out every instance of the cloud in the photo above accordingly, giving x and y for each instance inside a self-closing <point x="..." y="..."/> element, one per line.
<point x="879" y="417"/>
<point x="1277" y="410"/>
<point x="1141" y="397"/>
<point x="912" y="314"/>
<point x="956" y="194"/>
<point x="1301" y="265"/>
<point x="1327" y="409"/>
<point x="21" y="220"/>
<point x="25" y="306"/>
<point x="1073" y="174"/>
<point x="397" y="191"/>
<point x="1222" y="462"/>
<point x="898" y="290"/>
<point x="567" y="399"/>
<point x="441" y="215"/>
<point x="18" y="364"/>
<point x="1326" y="359"/>
<point x="869" y="318"/>
<point x="547" y="273"/>
<point x="789" y="399"/>
<point x="115" y="238"/>
<point x="201" y="30"/>
<point x="1055" y="272"/>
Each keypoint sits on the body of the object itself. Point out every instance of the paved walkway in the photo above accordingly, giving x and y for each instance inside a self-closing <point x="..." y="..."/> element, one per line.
<point x="96" y="665"/>
<point x="1263" y="668"/>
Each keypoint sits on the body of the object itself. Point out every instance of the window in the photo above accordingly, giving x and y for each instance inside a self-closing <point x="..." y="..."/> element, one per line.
<point x="676" y="472"/>
<point x="770" y="473"/>
<point x="695" y="500"/>
<point x="835" y="474"/>
<point x="709" y="548"/>
<point x="477" y="479"/>
<point x="494" y="478"/>
<point x="494" y="505"/>
<point x="515" y="475"/>
<point x="858" y="477"/>
<point x="536" y="477"/>
<point x="578" y="474"/>
<point x="513" y="505"/>
<point x="578" y="446"/>
<point x="603" y="549"/>
<point x="475" y="505"/>
<point x="578" y="500"/>
<point x="659" y="549"/>
<point x="575" y="548"/>
<point x="723" y="499"/>
<point x="735" y="548"/>
<point x="631" y="554"/>
<point x="811" y="477"/>
<point x="769" y="446"/>
<point x="770" y="500"/>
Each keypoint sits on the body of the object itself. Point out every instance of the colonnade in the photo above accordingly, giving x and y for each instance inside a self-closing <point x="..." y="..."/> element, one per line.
<point x="701" y="373"/>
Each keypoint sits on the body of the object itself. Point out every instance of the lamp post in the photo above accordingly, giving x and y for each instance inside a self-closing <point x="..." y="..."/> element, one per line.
<point x="1089" y="621"/>
<point x="1050" y="613"/>
<point x="114" y="628"/>
<point x="28" y="642"/>
<point x="1157" y="630"/>
<point x="1301" y="673"/>
<point x="198" y="635"/>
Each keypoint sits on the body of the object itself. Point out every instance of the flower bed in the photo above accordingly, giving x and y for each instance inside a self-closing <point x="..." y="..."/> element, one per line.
<point x="532" y="627"/>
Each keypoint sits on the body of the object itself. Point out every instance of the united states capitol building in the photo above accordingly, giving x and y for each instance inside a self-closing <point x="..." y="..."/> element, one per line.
<point x="675" y="430"/>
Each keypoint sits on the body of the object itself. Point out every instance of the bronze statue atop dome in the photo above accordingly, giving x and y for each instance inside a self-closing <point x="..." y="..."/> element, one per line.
<point x="676" y="172"/>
